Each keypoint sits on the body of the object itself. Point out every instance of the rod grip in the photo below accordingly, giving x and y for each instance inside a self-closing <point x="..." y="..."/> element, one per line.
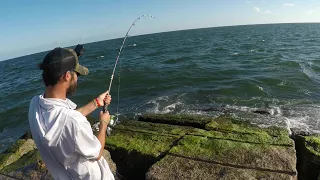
<point x="105" y="108"/>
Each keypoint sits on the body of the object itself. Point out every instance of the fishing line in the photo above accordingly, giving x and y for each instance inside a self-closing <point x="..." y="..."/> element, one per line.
<point x="113" y="121"/>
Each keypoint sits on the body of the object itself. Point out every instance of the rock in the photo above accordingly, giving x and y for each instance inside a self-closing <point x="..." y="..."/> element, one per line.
<point x="296" y="132"/>
<point x="262" y="111"/>
<point x="16" y="151"/>
<point x="173" y="167"/>
<point x="237" y="154"/>
<point x="112" y="165"/>
<point x="23" y="161"/>
<point x="228" y="124"/>
<point x="178" y="119"/>
<point x="135" y="152"/>
<point x="184" y="147"/>
<point x="308" y="153"/>
<point x="27" y="135"/>
<point x="191" y="147"/>
<point x="29" y="166"/>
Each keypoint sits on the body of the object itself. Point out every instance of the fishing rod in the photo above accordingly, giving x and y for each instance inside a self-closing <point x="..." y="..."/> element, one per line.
<point x="113" y="122"/>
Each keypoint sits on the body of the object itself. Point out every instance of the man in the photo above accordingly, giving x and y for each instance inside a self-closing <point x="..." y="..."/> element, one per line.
<point x="62" y="133"/>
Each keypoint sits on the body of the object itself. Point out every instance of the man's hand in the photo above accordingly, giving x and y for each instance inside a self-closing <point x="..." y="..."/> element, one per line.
<point x="104" y="117"/>
<point x="104" y="121"/>
<point x="104" y="98"/>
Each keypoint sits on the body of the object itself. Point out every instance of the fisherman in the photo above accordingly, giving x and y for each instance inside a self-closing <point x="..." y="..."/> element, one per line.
<point x="61" y="132"/>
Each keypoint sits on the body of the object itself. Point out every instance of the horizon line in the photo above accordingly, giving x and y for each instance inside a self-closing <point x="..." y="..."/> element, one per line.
<point x="167" y="32"/>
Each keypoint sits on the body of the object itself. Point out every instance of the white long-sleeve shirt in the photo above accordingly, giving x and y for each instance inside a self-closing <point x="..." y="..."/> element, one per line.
<point x="65" y="140"/>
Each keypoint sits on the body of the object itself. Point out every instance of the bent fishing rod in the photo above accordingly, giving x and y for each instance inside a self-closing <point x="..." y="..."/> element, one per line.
<point x="105" y="106"/>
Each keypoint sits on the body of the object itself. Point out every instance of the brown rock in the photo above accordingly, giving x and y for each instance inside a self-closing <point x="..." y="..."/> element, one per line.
<point x="172" y="168"/>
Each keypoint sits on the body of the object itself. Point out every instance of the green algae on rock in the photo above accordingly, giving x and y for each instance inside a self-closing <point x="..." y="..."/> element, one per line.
<point x="154" y="128"/>
<point x="197" y="147"/>
<point x="173" y="167"/>
<point x="29" y="166"/>
<point x="135" y="152"/>
<point x="137" y="145"/>
<point x="258" y="137"/>
<point x="177" y="119"/>
<point x="261" y="156"/>
<point x="226" y="123"/>
<point x="17" y="150"/>
<point x="261" y="137"/>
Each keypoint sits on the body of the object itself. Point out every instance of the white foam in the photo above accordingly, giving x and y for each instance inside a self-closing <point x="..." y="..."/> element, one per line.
<point x="170" y="108"/>
<point x="307" y="71"/>
<point x="297" y="123"/>
<point x="240" y="108"/>
<point x="260" y="88"/>
<point x="305" y="117"/>
<point x="155" y="103"/>
<point x="275" y="111"/>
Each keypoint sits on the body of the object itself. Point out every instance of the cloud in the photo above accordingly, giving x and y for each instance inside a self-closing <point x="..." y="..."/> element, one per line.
<point x="310" y="11"/>
<point x="289" y="5"/>
<point x="268" y="12"/>
<point x="257" y="9"/>
<point x="314" y="10"/>
<point x="248" y="2"/>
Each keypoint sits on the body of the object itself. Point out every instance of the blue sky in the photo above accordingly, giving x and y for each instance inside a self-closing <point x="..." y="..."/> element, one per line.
<point x="32" y="26"/>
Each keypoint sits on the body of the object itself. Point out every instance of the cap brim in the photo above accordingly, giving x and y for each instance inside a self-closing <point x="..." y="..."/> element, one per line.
<point x="81" y="70"/>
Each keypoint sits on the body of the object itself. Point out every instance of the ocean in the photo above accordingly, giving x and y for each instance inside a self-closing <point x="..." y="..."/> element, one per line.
<point x="265" y="74"/>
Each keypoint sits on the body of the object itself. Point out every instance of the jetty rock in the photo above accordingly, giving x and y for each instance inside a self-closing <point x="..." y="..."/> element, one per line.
<point x="180" y="146"/>
<point x="23" y="161"/>
<point x="161" y="146"/>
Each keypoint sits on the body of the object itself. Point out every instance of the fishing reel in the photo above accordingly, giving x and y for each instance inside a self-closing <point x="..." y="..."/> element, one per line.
<point x="114" y="120"/>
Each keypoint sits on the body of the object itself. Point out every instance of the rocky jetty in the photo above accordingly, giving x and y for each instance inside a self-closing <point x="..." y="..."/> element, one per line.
<point x="158" y="146"/>
<point x="308" y="153"/>
<point x="23" y="161"/>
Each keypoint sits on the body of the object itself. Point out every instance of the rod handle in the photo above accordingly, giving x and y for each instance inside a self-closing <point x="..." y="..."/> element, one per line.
<point x="105" y="108"/>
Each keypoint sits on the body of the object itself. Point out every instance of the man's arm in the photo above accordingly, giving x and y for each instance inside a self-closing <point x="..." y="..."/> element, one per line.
<point x="87" y="109"/>
<point x="104" y="121"/>
<point x="91" y="106"/>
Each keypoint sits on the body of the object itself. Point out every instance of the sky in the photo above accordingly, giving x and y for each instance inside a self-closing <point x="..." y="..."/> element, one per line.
<point x="32" y="26"/>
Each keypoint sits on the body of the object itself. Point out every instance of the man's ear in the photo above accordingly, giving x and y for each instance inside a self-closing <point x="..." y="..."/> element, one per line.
<point x="66" y="76"/>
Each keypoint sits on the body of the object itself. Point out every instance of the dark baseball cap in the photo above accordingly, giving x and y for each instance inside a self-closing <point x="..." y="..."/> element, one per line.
<point x="60" y="60"/>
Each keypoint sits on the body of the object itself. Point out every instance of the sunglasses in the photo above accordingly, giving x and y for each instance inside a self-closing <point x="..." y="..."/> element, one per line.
<point x="78" y="74"/>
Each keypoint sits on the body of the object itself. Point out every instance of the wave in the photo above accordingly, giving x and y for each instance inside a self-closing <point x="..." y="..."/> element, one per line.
<point x="290" y="116"/>
<point x="309" y="72"/>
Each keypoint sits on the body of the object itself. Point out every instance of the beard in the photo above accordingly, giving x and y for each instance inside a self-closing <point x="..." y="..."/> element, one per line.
<point x="72" y="87"/>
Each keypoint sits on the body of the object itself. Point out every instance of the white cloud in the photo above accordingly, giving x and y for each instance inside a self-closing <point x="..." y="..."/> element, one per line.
<point x="257" y="9"/>
<point x="310" y="11"/>
<point x="314" y="10"/>
<point x="268" y="12"/>
<point x="289" y="5"/>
